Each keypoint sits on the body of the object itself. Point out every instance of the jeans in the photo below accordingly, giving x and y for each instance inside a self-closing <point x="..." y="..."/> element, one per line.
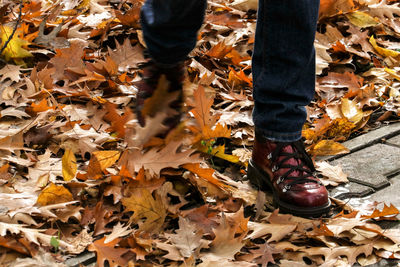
<point x="283" y="63"/>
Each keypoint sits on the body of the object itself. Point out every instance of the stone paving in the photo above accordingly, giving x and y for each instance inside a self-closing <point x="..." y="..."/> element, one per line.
<point x="373" y="168"/>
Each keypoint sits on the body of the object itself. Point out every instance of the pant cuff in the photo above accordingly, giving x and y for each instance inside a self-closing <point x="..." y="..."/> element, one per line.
<point x="278" y="136"/>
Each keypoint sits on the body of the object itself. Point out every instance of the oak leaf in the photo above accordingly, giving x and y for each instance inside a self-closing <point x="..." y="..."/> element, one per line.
<point x="126" y="56"/>
<point x="187" y="238"/>
<point x="225" y="245"/>
<point x="155" y="160"/>
<point x="328" y="147"/>
<point x="11" y="72"/>
<point x="333" y="174"/>
<point x="386" y="213"/>
<point x="15" y="49"/>
<point x="100" y="161"/>
<point x="148" y="212"/>
<point x="54" y="194"/>
<point x="69" y="166"/>
<point x="108" y="252"/>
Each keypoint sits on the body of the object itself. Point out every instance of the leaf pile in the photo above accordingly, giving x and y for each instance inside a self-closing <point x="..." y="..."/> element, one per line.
<point x="78" y="173"/>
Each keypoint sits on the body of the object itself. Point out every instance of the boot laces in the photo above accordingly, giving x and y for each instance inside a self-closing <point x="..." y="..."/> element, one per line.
<point x="305" y="166"/>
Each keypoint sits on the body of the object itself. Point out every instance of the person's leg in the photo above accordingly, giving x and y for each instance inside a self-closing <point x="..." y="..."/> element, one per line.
<point x="284" y="66"/>
<point x="284" y="81"/>
<point x="170" y="28"/>
<point x="170" y="32"/>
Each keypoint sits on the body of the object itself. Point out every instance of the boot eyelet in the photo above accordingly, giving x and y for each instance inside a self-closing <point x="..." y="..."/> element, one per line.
<point x="274" y="168"/>
<point x="279" y="180"/>
<point x="269" y="156"/>
<point x="286" y="188"/>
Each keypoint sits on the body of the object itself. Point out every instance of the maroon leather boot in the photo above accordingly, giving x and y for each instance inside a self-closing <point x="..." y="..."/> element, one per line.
<point x="151" y="74"/>
<point x="287" y="170"/>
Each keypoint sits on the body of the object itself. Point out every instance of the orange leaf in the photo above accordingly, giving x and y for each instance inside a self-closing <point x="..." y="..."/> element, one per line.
<point x="207" y="174"/>
<point x="117" y="121"/>
<point x="42" y="106"/>
<point x="100" y="161"/>
<point x="219" y="50"/>
<point x="381" y="215"/>
<point x="54" y="194"/>
<point x="109" y="252"/>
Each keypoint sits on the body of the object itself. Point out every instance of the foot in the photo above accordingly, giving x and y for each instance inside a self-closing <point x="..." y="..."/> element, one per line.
<point x="151" y="74"/>
<point x="286" y="169"/>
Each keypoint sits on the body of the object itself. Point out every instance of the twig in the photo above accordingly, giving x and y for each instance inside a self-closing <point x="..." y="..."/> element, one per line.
<point x="14" y="30"/>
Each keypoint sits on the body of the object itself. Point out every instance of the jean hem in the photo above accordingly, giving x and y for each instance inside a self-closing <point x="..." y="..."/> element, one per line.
<point x="280" y="136"/>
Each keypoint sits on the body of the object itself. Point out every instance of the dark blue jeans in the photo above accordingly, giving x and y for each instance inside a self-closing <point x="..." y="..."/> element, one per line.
<point x="283" y="59"/>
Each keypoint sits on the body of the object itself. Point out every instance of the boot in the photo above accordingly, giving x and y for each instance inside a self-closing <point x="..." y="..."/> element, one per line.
<point x="151" y="75"/>
<point x="287" y="170"/>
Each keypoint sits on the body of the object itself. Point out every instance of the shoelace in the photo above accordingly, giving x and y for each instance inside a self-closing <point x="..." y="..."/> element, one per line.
<point x="305" y="166"/>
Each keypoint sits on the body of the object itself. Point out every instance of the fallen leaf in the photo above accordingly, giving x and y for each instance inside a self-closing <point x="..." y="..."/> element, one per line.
<point x="69" y="166"/>
<point x="54" y="194"/>
<point x="108" y="252"/>
<point x="148" y="212"/>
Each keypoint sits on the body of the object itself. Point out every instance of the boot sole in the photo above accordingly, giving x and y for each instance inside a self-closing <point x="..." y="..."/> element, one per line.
<point x="262" y="181"/>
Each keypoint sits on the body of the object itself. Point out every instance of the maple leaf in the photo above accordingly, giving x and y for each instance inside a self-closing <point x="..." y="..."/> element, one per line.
<point x="108" y="252"/>
<point x="148" y="212"/>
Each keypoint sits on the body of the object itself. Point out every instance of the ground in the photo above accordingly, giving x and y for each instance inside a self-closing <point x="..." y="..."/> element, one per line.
<point x="79" y="175"/>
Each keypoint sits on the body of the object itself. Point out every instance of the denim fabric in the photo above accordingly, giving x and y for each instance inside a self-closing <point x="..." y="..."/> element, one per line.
<point x="284" y="66"/>
<point x="283" y="60"/>
<point x="170" y="28"/>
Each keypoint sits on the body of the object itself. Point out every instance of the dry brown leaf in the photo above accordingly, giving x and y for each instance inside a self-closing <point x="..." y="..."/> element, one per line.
<point x="334" y="174"/>
<point x="187" y="238"/>
<point x="155" y="160"/>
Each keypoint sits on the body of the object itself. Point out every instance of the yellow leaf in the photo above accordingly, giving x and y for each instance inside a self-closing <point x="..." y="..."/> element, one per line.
<point x="328" y="147"/>
<point x="219" y="152"/>
<point x="148" y="212"/>
<point x="69" y="166"/>
<point x="351" y="111"/>
<point x="14" y="49"/>
<point x="106" y="158"/>
<point x="361" y="19"/>
<point x="54" y="194"/>
<point x="383" y="51"/>
<point x="393" y="73"/>
<point x="207" y="174"/>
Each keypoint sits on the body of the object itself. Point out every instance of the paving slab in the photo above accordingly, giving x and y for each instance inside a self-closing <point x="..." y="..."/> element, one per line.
<point x="371" y="166"/>
<point x="390" y="194"/>
<point x="368" y="139"/>
<point x="394" y="140"/>
<point x="86" y="258"/>
<point x="351" y="190"/>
